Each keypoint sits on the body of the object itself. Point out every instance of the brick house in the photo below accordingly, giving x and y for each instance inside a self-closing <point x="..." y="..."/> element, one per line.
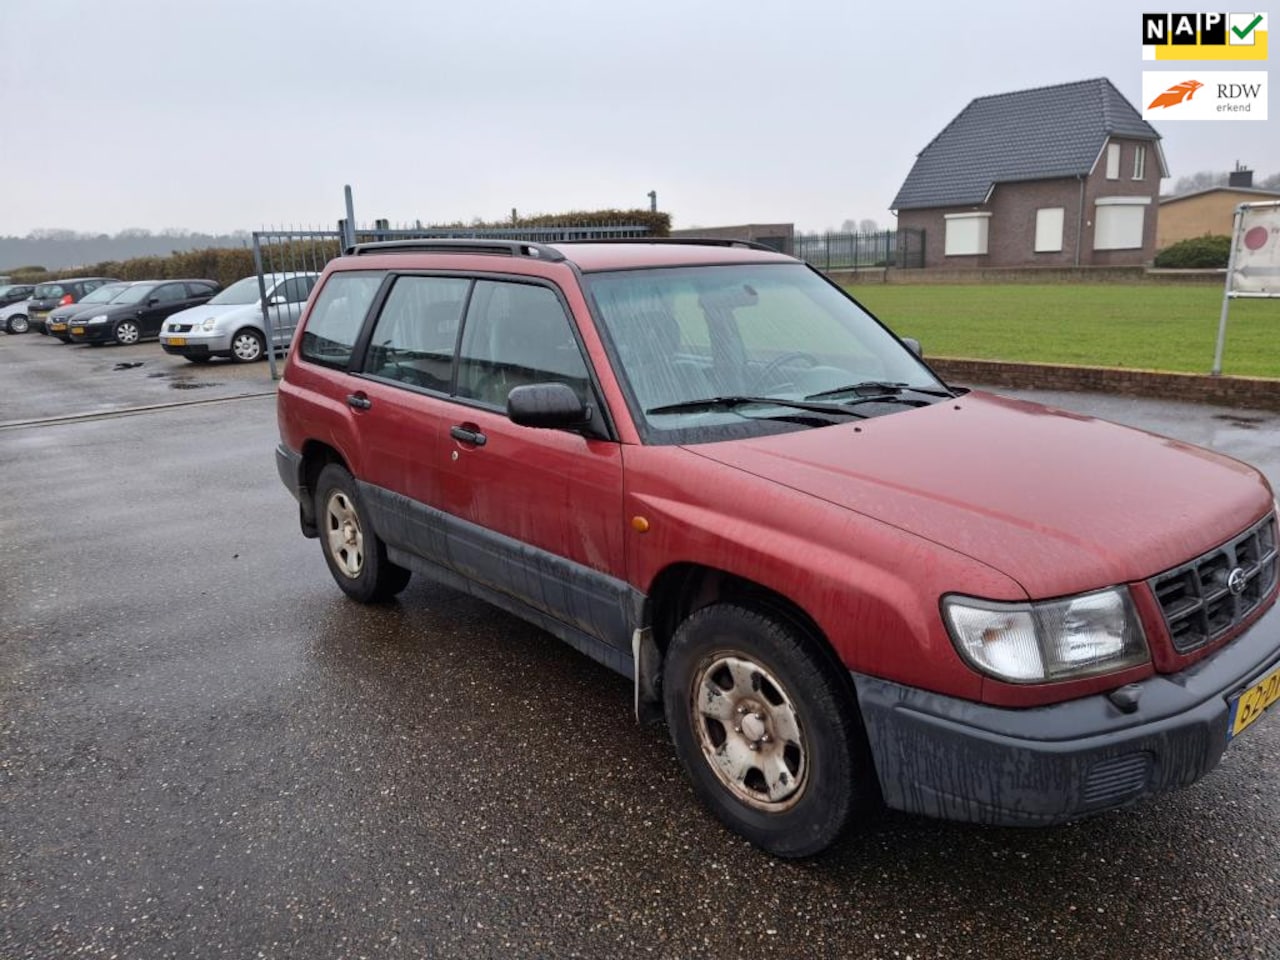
<point x="1056" y="176"/>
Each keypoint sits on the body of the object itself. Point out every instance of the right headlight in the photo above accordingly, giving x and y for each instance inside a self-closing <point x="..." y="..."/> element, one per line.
<point x="1051" y="640"/>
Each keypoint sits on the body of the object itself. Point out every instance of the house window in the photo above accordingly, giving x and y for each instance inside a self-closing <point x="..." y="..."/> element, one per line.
<point x="1140" y="163"/>
<point x="1119" y="223"/>
<point x="1049" y="229"/>
<point x="966" y="234"/>
<point x="1113" y="161"/>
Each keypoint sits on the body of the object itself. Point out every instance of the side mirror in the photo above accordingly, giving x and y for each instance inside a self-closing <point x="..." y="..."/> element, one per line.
<point x="914" y="346"/>
<point x="151" y="302"/>
<point x="547" y="405"/>
<point x="276" y="300"/>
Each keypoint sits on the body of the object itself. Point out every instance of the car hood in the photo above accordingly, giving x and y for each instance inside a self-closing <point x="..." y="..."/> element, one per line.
<point x="218" y="311"/>
<point x="75" y="309"/>
<point x="1058" y="501"/>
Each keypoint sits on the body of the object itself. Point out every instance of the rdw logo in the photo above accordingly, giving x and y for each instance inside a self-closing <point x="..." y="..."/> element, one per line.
<point x="1176" y="94"/>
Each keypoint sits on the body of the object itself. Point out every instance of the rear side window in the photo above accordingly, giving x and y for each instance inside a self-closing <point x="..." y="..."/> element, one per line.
<point x="336" y="318"/>
<point x="416" y="332"/>
<point x="170" y="293"/>
<point x="47" y="290"/>
<point x="201" y="289"/>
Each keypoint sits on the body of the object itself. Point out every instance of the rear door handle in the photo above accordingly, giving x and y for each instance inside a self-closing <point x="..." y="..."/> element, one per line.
<point x="359" y="401"/>
<point x="468" y="435"/>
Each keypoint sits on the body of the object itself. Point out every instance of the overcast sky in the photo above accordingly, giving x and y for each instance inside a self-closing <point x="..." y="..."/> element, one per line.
<point x="235" y="114"/>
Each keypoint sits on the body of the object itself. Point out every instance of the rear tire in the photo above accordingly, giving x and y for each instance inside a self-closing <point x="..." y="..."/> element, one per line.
<point x="769" y="736"/>
<point x="356" y="558"/>
<point x="17" y="323"/>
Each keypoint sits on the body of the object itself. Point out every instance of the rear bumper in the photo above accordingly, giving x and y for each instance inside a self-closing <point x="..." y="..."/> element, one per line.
<point x="958" y="760"/>
<point x="289" y="466"/>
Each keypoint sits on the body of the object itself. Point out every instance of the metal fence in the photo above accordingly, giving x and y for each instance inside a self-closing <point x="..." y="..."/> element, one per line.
<point x="902" y="248"/>
<point x="283" y="254"/>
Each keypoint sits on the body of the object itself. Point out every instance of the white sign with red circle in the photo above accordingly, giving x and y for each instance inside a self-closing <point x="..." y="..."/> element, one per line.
<point x="1256" y="260"/>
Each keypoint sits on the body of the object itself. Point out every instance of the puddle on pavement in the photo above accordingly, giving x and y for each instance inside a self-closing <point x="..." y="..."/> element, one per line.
<point x="1245" y="423"/>
<point x="191" y="385"/>
<point x="129" y="366"/>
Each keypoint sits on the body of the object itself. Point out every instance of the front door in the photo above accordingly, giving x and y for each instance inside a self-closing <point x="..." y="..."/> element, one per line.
<point x="166" y="299"/>
<point x="537" y="513"/>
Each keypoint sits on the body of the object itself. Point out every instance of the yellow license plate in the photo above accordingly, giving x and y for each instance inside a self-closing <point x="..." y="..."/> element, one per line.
<point x="77" y="329"/>
<point x="58" y="327"/>
<point x="176" y="341"/>
<point x="1249" y="706"/>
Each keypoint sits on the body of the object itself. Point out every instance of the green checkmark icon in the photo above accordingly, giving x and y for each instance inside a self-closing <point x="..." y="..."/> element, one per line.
<point x="1247" y="30"/>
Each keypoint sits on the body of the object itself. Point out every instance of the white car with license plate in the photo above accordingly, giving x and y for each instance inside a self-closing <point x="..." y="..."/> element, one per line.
<point x="231" y="323"/>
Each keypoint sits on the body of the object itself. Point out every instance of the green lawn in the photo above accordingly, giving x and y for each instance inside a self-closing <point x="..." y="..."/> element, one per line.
<point x="1148" y="326"/>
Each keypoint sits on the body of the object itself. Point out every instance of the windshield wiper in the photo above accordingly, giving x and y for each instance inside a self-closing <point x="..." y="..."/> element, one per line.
<point x="732" y="402"/>
<point x="877" y="390"/>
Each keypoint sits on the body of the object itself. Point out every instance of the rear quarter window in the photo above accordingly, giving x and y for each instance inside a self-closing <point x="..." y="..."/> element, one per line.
<point x="339" y="312"/>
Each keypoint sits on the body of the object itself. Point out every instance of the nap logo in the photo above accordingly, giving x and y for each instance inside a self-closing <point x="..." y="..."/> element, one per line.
<point x="1204" y="95"/>
<point x="1204" y="36"/>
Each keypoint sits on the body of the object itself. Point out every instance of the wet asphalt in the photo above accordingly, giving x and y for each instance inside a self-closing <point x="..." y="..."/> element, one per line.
<point x="206" y="751"/>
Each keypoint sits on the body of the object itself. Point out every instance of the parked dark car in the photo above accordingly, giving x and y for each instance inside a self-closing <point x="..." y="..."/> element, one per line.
<point x="58" y="322"/>
<point x="15" y="292"/>
<point x="47" y="297"/>
<point x="139" y="312"/>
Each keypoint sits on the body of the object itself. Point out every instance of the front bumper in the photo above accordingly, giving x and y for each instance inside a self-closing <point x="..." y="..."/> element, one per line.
<point x="201" y="346"/>
<point x="958" y="760"/>
<point x="92" y="332"/>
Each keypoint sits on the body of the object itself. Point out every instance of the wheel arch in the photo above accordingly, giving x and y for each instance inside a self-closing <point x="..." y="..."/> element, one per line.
<point x="682" y="589"/>
<point x="316" y="455"/>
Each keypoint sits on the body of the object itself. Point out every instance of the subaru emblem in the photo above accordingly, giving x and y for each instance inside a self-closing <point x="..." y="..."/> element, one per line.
<point x="1237" y="581"/>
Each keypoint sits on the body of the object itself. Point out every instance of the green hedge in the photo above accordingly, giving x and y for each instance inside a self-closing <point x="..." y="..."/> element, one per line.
<point x="1204" y="252"/>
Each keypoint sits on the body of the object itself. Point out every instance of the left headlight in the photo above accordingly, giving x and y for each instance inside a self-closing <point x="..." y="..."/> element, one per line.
<point x="1051" y="640"/>
<point x="100" y="318"/>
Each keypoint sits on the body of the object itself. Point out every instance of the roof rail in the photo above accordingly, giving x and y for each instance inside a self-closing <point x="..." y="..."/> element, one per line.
<point x="508" y="248"/>
<point x="694" y="241"/>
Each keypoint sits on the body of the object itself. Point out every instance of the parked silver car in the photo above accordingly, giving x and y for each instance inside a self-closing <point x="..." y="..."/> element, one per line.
<point x="230" y="324"/>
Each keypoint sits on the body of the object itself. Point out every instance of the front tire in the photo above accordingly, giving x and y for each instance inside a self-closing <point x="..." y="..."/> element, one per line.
<point x="17" y="323"/>
<point x="127" y="332"/>
<point x="769" y="736"/>
<point x="356" y="558"/>
<point x="248" y="346"/>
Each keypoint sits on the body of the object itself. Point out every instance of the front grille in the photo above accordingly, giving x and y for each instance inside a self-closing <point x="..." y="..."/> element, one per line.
<point x="1113" y="781"/>
<point x="180" y="327"/>
<point x="1202" y="600"/>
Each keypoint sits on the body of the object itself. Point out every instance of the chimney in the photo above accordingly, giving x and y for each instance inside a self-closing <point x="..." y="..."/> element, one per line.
<point x="1240" y="177"/>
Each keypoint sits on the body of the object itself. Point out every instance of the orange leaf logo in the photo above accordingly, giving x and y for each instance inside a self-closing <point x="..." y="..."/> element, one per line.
<point x="1176" y="94"/>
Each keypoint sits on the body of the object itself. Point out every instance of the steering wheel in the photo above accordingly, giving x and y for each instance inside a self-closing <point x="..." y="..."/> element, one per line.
<point x="770" y="369"/>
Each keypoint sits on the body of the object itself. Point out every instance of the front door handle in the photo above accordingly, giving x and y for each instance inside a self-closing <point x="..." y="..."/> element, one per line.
<point x="471" y="435"/>
<point x="359" y="401"/>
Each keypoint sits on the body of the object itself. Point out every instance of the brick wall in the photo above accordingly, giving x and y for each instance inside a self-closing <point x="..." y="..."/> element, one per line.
<point x="1249" y="392"/>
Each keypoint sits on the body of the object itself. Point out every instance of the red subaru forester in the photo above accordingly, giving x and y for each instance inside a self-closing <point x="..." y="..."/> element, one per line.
<point x="843" y="582"/>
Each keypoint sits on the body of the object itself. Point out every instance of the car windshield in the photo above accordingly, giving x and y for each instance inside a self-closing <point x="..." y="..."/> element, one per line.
<point x="105" y="293"/>
<point x="135" y="293"/>
<point x="740" y="335"/>
<point x="240" y="292"/>
<point x="45" y="291"/>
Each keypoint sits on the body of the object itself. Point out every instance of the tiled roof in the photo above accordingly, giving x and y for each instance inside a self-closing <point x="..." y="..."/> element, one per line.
<point x="1027" y="135"/>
